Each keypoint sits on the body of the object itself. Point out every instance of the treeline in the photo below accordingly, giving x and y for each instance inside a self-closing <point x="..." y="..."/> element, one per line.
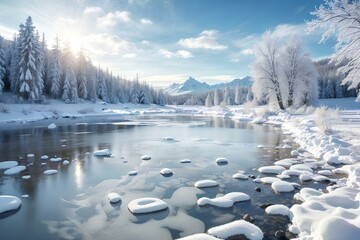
<point x="34" y="73"/>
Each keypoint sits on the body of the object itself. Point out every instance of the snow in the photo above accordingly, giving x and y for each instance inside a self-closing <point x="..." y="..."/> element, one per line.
<point x="30" y="155"/>
<point x="185" y="161"/>
<point x="25" y="196"/>
<point x="205" y="183"/>
<point x="52" y="126"/>
<point x="8" y="164"/>
<point x="269" y="180"/>
<point x="251" y="231"/>
<point x="225" y="201"/>
<point x="145" y="157"/>
<point x="132" y="173"/>
<point x="221" y="161"/>
<point x="9" y="203"/>
<point x="44" y="157"/>
<point x="278" y="209"/>
<point x="147" y="205"/>
<point x="199" y="236"/>
<point x="282" y="186"/>
<point x="114" y="197"/>
<point x="15" y="170"/>
<point x="102" y="153"/>
<point x="66" y="162"/>
<point x="271" y="169"/>
<point x="240" y="176"/>
<point x="26" y="177"/>
<point x="287" y="162"/>
<point x="168" y="139"/>
<point x="295" y="153"/>
<point x="166" y="171"/>
<point x="50" y="172"/>
<point x="55" y="159"/>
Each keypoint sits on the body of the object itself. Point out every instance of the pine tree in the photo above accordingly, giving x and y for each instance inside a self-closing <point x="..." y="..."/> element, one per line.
<point x="2" y="65"/>
<point x="101" y="86"/>
<point x="217" y="97"/>
<point x="208" y="101"/>
<point x="81" y="76"/>
<point x="15" y="62"/>
<point x="238" y="95"/>
<point x="70" y="94"/>
<point x="91" y="81"/>
<point x="40" y="65"/>
<point x="55" y="71"/>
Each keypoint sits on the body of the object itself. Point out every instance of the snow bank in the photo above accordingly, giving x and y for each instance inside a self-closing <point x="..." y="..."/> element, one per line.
<point x="278" y="209"/>
<point x="8" y="164"/>
<point x="8" y="203"/>
<point x="225" y="201"/>
<point x="205" y="183"/>
<point x="114" y="197"/>
<point x="251" y="231"/>
<point x="50" y="172"/>
<point x="271" y="169"/>
<point x="147" y="205"/>
<point x="102" y="153"/>
<point x="15" y="170"/>
<point x="282" y="186"/>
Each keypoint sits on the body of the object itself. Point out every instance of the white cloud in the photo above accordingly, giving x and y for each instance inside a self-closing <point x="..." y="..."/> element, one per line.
<point x="247" y="51"/>
<point x="145" y="42"/>
<point x="178" y="54"/>
<point x="205" y="40"/>
<point x="92" y="10"/>
<point x="146" y="21"/>
<point x="112" y="18"/>
<point x="129" y="55"/>
<point x="286" y="30"/>
<point x="7" y="33"/>
<point x="102" y="44"/>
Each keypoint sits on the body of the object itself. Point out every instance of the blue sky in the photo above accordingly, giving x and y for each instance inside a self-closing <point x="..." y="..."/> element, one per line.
<point x="165" y="41"/>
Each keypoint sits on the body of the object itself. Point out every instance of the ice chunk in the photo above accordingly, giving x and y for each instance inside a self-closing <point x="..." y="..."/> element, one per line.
<point x="278" y="209"/>
<point x="51" y="126"/>
<point x="221" y="161"/>
<point x="50" y="172"/>
<point x="8" y="203"/>
<point x="145" y="157"/>
<point x="102" y="153"/>
<point x="114" y="197"/>
<point x="15" y="170"/>
<point x="227" y="200"/>
<point x="251" y="231"/>
<point x="8" y="164"/>
<point x="282" y="186"/>
<point x="147" y="205"/>
<point x="240" y="176"/>
<point x="205" y="183"/>
<point x="271" y="169"/>
<point x="185" y="161"/>
<point x="166" y="171"/>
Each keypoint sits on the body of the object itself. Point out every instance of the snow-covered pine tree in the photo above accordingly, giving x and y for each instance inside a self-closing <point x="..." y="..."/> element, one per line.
<point x="161" y="98"/>
<point x="46" y="55"/>
<point x="101" y="85"/>
<point x="15" y="62"/>
<point x="28" y="70"/>
<point x="91" y="81"/>
<point x="55" y="70"/>
<point x="82" y="76"/>
<point x="217" y="97"/>
<point x="70" y="94"/>
<point x="40" y="66"/>
<point x="2" y="64"/>
<point x="208" y="101"/>
<point x="238" y="95"/>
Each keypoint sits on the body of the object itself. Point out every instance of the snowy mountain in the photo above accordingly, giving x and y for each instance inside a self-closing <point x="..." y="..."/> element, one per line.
<point x="191" y="85"/>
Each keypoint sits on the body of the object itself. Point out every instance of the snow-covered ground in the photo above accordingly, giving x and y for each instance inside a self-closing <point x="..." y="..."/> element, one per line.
<point x="332" y="214"/>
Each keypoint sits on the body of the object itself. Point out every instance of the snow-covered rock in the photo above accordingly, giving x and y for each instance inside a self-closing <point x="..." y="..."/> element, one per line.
<point x="221" y="161"/>
<point x="25" y="196"/>
<point x="185" y="161"/>
<point x="147" y="205"/>
<point x="251" y="231"/>
<point x="295" y="153"/>
<point x="282" y="186"/>
<point x="271" y="169"/>
<point x="55" y="159"/>
<point x="30" y="155"/>
<point x="240" y="176"/>
<point x="8" y="164"/>
<point x="286" y="146"/>
<point x="50" y="172"/>
<point x="278" y="209"/>
<point x="26" y="177"/>
<point x="199" y="236"/>
<point x="205" y="183"/>
<point x="102" y="153"/>
<point x="52" y="126"/>
<point x="287" y="162"/>
<point x="66" y="162"/>
<point x="166" y="171"/>
<point x="145" y="157"/>
<point x="132" y="173"/>
<point x="168" y="139"/>
<point x="44" y="157"/>
<point x="269" y="180"/>
<point x="15" y="170"/>
<point x="225" y="201"/>
<point x="8" y="203"/>
<point x="114" y="197"/>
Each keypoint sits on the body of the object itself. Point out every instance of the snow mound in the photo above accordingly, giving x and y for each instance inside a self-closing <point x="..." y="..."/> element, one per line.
<point x="221" y="161"/>
<point x="301" y="167"/>
<point x="287" y="162"/>
<point x="145" y="157"/>
<point x="44" y="157"/>
<point x="8" y="164"/>
<point x="147" y="205"/>
<point x="8" y="203"/>
<point x="325" y="172"/>
<point x="271" y="169"/>
<point x="199" y="236"/>
<point x="114" y="197"/>
<point x="55" y="159"/>
<point x="240" y="176"/>
<point x="205" y="183"/>
<point x="166" y="171"/>
<point x="15" y="170"/>
<point x="304" y="177"/>
<point x="185" y="161"/>
<point x="132" y="173"/>
<point x="26" y="177"/>
<point x="52" y="126"/>
<point x="225" y="201"/>
<point x="102" y="153"/>
<point x="251" y="231"/>
<point x="269" y="180"/>
<point x="278" y="209"/>
<point x="50" y="172"/>
<point x="282" y="186"/>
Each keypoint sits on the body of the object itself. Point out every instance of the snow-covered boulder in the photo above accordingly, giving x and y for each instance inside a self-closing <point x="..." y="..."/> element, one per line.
<point x="238" y="227"/>
<point x="132" y="173"/>
<point x="15" y="170"/>
<point x="205" y="183"/>
<point x="50" y="172"/>
<point x="8" y="164"/>
<point x="166" y="171"/>
<point x="30" y="155"/>
<point x="66" y="162"/>
<point x="26" y="177"/>
<point x="225" y="201"/>
<point x="55" y="159"/>
<point x="114" y="197"/>
<point x="294" y="153"/>
<point x="271" y="169"/>
<point x="269" y="180"/>
<point x="52" y="126"/>
<point x="199" y="236"/>
<point x="221" y="161"/>
<point x="278" y="209"/>
<point x="145" y="157"/>
<point x="185" y="161"/>
<point x="44" y="157"/>
<point x="282" y="186"/>
<point x="8" y="203"/>
<point x="287" y="162"/>
<point x="240" y="176"/>
<point x="147" y="205"/>
<point x="102" y="153"/>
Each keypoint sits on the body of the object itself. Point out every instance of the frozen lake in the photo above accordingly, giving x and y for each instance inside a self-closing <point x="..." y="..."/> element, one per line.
<point x="73" y="204"/>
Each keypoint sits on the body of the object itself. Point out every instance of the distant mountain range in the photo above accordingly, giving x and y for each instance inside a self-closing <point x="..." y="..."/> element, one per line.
<point x="191" y="85"/>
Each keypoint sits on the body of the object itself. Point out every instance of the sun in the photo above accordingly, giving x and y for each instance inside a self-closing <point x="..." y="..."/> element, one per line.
<point x="76" y="43"/>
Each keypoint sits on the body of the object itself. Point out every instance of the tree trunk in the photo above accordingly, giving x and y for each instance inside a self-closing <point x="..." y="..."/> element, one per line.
<point x="280" y="102"/>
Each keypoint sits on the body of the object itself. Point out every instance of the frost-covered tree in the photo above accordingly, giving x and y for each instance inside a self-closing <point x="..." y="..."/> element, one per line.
<point x="28" y="70"/>
<point x="208" y="100"/>
<point x="238" y="95"/>
<point x="265" y="71"/>
<point x="217" y="97"/>
<point x="91" y="72"/>
<point x="298" y="75"/>
<point x="55" y="71"/>
<point x="2" y="64"/>
<point x="40" y="68"/>
<point x="161" y="98"/>
<point x="227" y="96"/>
<point x="342" y="19"/>
<point x="70" y="93"/>
<point x="81" y="76"/>
<point x="15" y="62"/>
<point x="101" y="85"/>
